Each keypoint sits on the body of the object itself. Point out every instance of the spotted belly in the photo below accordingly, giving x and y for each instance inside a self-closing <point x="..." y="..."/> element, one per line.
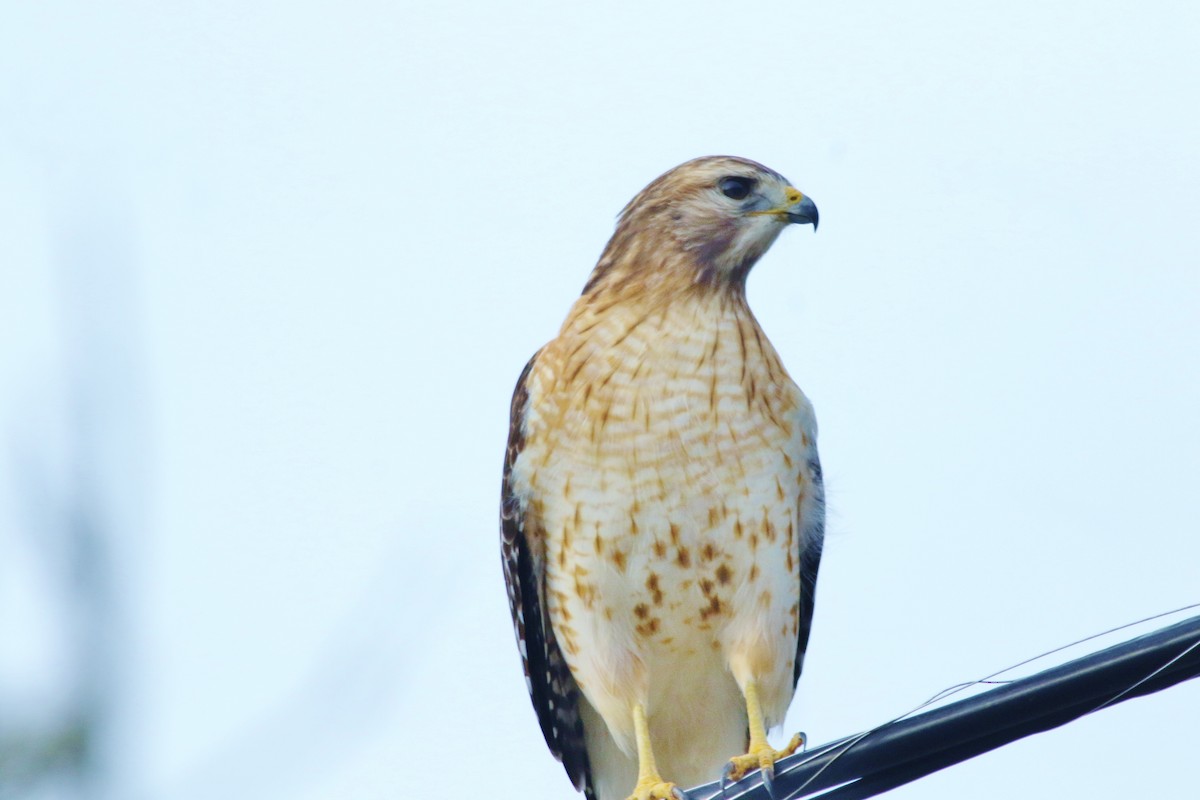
<point x="666" y="476"/>
<point x="674" y="597"/>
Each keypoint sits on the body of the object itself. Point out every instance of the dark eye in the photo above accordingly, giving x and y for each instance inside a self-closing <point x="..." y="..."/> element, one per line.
<point x="736" y="188"/>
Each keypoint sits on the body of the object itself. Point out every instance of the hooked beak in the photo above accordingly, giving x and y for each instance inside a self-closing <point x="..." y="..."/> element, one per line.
<point x="802" y="210"/>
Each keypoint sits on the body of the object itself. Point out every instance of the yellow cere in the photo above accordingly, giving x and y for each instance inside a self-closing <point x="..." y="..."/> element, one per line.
<point x="793" y="196"/>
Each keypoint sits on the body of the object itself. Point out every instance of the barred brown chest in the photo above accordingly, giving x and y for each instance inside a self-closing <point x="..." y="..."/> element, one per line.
<point x="666" y="459"/>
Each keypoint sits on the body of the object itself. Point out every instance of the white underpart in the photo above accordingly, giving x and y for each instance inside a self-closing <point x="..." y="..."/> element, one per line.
<point x="687" y="493"/>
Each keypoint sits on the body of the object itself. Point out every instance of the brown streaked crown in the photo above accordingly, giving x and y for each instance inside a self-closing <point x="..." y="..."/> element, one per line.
<point x="682" y="232"/>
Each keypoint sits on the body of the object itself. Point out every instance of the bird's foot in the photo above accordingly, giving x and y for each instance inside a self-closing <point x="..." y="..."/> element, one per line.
<point x="763" y="758"/>
<point x="655" y="788"/>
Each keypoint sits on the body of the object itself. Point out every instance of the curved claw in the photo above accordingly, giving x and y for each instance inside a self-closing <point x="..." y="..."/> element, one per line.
<point x="654" y="788"/>
<point x="762" y="758"/>
<point x="735" y="771"/>
<point x="725" y="773"/>
<point x="767" y="771"/>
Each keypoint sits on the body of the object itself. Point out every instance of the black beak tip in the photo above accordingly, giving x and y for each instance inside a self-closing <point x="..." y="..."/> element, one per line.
<point x="805" y="212"/>
<point x="807" y="218"/>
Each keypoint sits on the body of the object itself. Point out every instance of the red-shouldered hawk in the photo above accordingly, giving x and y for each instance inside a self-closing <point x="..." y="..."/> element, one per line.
<point x="662" y="509"/>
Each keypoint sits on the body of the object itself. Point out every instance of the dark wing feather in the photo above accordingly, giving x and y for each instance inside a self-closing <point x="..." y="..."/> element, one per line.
<point x="812" y="526"/>
<point x="551" y="686"/>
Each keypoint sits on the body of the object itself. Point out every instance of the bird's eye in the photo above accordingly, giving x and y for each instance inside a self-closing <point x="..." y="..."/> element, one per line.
<point x="736" y="188"/>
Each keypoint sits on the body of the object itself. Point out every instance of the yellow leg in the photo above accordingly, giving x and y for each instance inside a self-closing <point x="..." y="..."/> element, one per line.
<point x="761" y="755"/>
<point x="650" y="785"/>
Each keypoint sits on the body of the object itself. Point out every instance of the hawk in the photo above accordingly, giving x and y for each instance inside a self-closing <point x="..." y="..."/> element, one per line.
<point x="662" y="507"/>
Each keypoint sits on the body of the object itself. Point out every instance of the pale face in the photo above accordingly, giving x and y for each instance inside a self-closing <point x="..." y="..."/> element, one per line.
<point x="706" y="222"/>
<point x="727" y="212"/>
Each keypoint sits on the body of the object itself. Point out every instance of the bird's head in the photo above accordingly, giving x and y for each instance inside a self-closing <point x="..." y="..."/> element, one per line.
<point x="705" y="222"/>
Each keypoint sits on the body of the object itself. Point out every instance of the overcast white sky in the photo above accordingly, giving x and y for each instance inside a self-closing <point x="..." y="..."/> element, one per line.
<point x="302" y="251"/>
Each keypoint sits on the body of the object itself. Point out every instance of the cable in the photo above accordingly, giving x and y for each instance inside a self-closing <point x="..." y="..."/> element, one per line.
<point x="910" y="747"/>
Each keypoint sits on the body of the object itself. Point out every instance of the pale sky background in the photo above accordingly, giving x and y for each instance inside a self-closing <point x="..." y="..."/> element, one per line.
<point x="291" y="258"/>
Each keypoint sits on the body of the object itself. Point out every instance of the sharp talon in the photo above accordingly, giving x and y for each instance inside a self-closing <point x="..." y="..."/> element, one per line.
<point x="739" y="767"/>
<point x="768" y="779"/>
<point x="655" y="788"/>
<point x="727" y="780"/>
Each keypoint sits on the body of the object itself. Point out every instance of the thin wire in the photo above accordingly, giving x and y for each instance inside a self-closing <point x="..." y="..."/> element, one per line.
<point x="952" y="690"/>
<point x="987" y="679"/>
<point x="1126" y="691"/>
